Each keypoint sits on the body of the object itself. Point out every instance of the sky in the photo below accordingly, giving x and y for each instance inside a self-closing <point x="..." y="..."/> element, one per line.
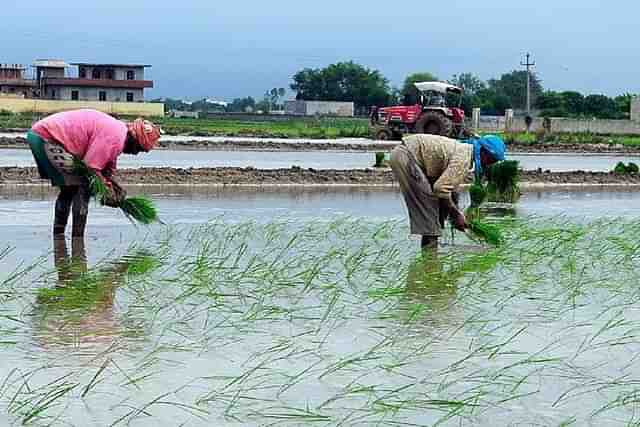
<point x="228" y="49"/>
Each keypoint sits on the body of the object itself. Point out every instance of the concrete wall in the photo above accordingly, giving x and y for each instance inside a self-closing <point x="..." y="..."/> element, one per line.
<point x="319" y="108"/>
<point x="562" y="125"/>
<point x="635" y="109"/>
<point x="48" y="107"/>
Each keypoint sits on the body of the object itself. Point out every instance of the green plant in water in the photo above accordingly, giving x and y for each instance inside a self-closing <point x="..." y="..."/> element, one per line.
<point x="622" y="169"/>
<point x="503" y="180"/>
<point x="490" y="233"/>
<point x="139" y="209"/>
<point x="380" y="161"/>
<point x="477" y="194"/>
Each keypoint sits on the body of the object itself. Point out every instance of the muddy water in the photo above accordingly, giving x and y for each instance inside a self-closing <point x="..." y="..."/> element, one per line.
<point x="176" y="343"/>
<point x="317" y="160"/>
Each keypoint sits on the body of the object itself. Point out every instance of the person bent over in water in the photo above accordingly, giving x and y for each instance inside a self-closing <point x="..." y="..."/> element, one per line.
<point x="95" y="139"/>
<point x="430" y="168"/>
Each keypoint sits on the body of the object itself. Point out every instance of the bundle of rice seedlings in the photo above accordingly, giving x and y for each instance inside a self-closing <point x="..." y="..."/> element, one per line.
<point x="503" y="180"/>
<point x="477" y="193"/>
<point x="490" y="233"/>
<point x="139" y="209"/>
<point x="622" y="169"/>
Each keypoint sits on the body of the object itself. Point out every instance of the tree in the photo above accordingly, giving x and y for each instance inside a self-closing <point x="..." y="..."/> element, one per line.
<point x="513" y="85"/>
<point x="242" y="105"/>
<point x="600" y="106"/>
<point x="468" y="82"/>
<point x="623" y="105"/>
<point x="275" y="95"/>
<point x="343" y="81"/>
<point x="409" y="92"/>
<point x="573" y="103"/>
<point x="552" y="104"/>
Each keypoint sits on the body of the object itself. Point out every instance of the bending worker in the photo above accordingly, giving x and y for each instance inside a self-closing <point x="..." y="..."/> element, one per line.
<point x="96" y="139"/>
<point x="430" y="168"/>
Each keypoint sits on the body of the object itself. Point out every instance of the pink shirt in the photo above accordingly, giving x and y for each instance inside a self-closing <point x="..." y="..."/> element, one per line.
<point x="96" y="138"/>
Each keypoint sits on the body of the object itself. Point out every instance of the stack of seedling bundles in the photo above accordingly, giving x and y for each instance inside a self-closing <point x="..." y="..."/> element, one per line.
<point x="502" y="186"/>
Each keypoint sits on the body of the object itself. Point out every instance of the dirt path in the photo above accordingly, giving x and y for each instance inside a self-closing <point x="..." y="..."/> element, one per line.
<point x="17" y="140"/>
<point x="298" y="176"/>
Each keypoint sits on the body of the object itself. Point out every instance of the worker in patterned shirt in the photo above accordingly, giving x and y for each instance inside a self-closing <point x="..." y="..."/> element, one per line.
<point x="430" y="168"/>
<point x="95" y="139"/>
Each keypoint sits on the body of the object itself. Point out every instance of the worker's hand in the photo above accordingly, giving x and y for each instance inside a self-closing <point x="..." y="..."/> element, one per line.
<point x="459" y="221"/>
<point x="115" y="197"/>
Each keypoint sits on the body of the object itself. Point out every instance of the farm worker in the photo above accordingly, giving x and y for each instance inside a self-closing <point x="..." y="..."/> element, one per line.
<point x="97" y="140"/>
<point x="430" y="168"/>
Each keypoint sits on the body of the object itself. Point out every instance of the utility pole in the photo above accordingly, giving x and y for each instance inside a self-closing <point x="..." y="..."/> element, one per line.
<point x="528" y="64"/>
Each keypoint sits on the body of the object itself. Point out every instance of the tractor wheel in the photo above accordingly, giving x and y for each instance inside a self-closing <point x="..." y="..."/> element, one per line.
<point x="383" y="135"/>
<point x="434" y="123"/>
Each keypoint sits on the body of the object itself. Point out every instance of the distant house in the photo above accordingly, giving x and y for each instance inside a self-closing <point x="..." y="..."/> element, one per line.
<point x="94" y="82"/>
<point x="13" y="82"/>
<point x="98" y="82"/>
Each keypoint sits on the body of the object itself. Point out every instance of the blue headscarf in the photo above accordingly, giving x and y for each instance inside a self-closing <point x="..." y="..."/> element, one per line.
<point x="492" y="144"/>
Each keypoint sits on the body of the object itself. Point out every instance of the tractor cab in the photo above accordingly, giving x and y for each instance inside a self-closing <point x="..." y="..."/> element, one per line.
<point x="436" y="94"/>
<point x="431" y="115"/>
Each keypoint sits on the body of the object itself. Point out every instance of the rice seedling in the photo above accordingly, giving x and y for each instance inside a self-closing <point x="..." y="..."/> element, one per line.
<point x="336" y="322"/>
<point x="502" y="183"/>
<point x="628" y="169"/>
<point x="138" y="209"/>
<point x="488" y="232"/>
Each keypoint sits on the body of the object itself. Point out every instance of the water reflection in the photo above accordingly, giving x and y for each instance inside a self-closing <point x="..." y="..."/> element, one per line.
<point x="432" y="291"/>
<point x="80" y="310"/>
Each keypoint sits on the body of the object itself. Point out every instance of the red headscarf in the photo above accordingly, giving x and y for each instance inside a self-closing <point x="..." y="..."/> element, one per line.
<point x="146" y="133"/>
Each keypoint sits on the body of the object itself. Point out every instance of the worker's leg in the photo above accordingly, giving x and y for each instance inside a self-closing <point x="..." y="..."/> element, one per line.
<point x="80" y="211"/>
<point x="418" y="195"/>
<point x="429" y="242"/>
<point x="63" y="209"/>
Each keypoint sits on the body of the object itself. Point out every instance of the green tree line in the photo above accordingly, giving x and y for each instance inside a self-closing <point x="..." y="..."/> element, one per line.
<point x="365" y="87"/>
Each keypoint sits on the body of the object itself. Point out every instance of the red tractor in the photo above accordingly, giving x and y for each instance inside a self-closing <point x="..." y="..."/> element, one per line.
<point x="430" y="115"/>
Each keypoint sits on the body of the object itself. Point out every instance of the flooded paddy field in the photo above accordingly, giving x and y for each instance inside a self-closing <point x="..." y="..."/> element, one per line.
<point x="312" y="307"/>
<point x="317" y="160"/>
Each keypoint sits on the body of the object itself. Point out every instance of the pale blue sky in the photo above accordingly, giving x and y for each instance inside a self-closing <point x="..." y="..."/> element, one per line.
<point x="226" y="49"/>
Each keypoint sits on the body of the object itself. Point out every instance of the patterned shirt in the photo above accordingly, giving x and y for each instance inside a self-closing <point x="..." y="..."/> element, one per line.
<point x="96" y="138"/>
<point x="444" y="160"/>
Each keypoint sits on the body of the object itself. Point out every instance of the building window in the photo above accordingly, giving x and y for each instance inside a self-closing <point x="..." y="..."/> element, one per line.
<point x="131" y="75"/>
<point x="95" y="74"/>
<point x="129" y="96"/>
<point x="110" y="74"/>
<point x="83" y="73"/>
<point x="102" y="95"/>
<point x="75" y="95"/>
<point x="53" y="94"/>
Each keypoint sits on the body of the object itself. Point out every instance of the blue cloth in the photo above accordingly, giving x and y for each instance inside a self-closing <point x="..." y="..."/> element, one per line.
<point x="492" y="144"/>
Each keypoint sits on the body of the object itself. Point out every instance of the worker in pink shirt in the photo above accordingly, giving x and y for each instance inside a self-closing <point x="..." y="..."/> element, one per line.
<point x="97" y="140"/>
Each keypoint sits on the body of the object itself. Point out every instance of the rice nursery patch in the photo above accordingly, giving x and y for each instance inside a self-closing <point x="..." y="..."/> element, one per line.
<point x="328" y="323"/>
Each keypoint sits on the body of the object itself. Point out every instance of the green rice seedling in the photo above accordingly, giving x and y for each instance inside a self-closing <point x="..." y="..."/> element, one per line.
<point x="628" y="169"/>
<point x="490" y="233"/>
<point x="138" y="209"/>
<point x="477" y="194"/>
<point x="620" y="169"/>
<point x="503" y="180"/>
